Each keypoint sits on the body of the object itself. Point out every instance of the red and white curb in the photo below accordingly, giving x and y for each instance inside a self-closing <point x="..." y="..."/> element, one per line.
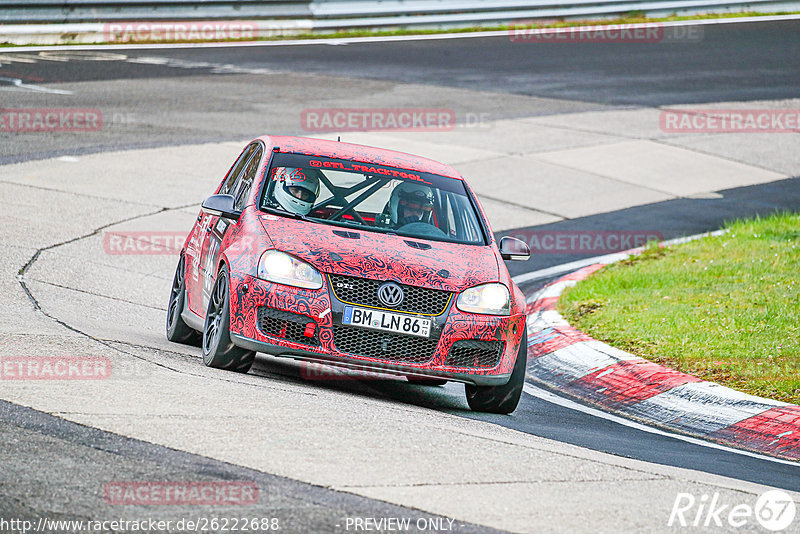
<point x="564" y="358"/>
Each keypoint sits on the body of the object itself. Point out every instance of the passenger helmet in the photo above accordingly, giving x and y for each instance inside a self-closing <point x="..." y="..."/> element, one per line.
<point x="411" y="202"/>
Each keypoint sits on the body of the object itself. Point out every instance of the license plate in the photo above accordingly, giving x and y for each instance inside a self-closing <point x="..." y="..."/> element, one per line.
<point x="387" y="321"/>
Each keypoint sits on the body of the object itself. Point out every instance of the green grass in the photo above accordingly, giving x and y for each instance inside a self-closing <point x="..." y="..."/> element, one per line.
<point x="630" y="18"/>
<point x="725" y="308"/>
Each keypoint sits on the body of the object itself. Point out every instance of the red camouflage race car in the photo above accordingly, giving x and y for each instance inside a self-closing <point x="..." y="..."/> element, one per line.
<point x="354" y="256"/>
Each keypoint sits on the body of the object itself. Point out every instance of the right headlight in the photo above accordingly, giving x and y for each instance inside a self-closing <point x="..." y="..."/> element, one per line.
<point x="279" y="267"/>
<point x="489" y="299"/>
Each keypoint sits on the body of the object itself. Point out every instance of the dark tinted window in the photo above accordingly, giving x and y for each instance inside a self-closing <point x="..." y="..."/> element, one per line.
<point x="243" y="184"/>
<point x="236" y="170"/>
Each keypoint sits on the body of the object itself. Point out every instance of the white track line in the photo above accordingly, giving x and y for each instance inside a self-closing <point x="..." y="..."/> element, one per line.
<point x="19" y="84"/>
<point x="382" y="39"/>
<point x="567" y="267"/>
<point x="605" y="259"/>
<point x="552" y="398"/>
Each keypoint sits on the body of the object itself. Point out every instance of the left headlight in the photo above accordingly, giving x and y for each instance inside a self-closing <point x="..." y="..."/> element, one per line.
<point x="490" y="299"/>
<point x="279" y="267"/>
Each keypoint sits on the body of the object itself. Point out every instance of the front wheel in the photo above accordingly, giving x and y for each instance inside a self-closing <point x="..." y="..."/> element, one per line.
<point x="501" y="399"/>
<point x="218" y="349"/>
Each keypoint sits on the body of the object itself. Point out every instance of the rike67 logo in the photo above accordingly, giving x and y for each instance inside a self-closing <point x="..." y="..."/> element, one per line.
<point x="774" y="510"/>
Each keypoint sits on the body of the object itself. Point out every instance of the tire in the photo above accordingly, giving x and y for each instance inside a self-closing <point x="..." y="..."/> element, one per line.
<point x="218" y="349"/>
<point x="426" y="381"/>
<point x="177" y="330"/>
<point x="501" y="399"/>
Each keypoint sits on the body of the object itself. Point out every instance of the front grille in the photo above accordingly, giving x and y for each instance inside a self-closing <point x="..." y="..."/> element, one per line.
<point x="286" y="325"/>
<point x="474" y="353"/>
<point x="364" y="292"/>
<point x="384" y="345"/>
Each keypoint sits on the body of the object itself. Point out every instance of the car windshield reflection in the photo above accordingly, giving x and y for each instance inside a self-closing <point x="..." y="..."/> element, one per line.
<point x="372" y="198"/>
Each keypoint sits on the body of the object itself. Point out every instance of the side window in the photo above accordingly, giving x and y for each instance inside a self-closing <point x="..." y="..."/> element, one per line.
<point x="242" y="187"/>
<point x="236" y="170"/>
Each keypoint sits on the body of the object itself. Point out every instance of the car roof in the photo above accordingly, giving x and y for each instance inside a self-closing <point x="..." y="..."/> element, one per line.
<point x="360" y="153"/>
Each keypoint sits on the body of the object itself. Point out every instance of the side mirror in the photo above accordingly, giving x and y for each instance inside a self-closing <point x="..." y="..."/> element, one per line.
<point x="512" y="248"/>
<point x="222" y="206"/>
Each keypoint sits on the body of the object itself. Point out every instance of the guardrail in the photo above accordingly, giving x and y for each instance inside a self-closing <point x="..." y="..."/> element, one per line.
<point x="85" y="21"/>
<point x="349" y="13"/>
<point x="337" y="14"/>
<point x="65" y="11"/>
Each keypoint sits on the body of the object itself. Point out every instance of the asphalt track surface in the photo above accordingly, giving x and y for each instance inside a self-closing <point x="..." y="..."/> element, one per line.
<point x="30" y="436"/>
<point x="732" y="64"/>
<point x="754" y="61"/>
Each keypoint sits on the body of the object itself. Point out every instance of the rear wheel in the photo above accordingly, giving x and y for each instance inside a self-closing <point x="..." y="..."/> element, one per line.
<point x="218" y="349"/>
<point x="501" y="399"/>
<point x="177" y="330"/>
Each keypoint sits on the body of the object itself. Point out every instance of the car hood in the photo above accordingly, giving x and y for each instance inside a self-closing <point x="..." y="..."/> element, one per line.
<point x="406" y="260"/>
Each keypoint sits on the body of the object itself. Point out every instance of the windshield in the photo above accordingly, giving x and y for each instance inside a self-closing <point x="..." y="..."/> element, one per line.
<point x="372" y="197"/>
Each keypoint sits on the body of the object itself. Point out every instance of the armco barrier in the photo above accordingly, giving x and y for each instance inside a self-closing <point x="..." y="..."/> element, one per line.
<point x="338" y="14"/>
<point x="68" y="11"/>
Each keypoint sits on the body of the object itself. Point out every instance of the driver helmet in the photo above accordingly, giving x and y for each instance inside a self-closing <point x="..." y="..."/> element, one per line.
<point x="411" y="202"/>
<point x="296" y="189"/>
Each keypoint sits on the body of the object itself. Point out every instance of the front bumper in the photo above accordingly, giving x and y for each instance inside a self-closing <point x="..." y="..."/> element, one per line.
<point x="451" y="329"/>
<point x="345" y="361"/>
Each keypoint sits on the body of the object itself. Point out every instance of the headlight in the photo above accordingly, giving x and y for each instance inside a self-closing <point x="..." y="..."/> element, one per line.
<point x="491" y="299"/>
<point x="279" y="267"/>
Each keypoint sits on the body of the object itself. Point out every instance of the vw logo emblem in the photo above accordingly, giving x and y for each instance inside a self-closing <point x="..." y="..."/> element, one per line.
<point x="390" y="294"/>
